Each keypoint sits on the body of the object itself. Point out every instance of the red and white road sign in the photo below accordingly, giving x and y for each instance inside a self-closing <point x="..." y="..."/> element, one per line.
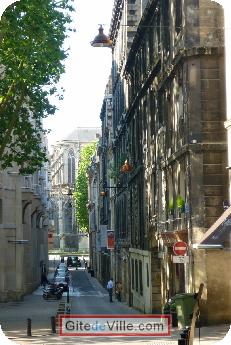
<point x="180" y="248"/>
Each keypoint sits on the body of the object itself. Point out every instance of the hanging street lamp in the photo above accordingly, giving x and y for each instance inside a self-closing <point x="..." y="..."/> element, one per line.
<point x="101" y="40"/>
<point x="126" y="167"/>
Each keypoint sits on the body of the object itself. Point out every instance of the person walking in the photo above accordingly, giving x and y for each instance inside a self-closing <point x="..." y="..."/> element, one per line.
<point x="118" y="290"/>
<point x="85" y="263"/>
<point x="44" y="280"/>
<point x="110" y="289"/>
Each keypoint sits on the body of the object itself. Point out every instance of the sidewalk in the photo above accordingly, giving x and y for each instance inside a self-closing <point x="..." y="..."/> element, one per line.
<point x="13" y="317"/>
<point x="211" y="335"/>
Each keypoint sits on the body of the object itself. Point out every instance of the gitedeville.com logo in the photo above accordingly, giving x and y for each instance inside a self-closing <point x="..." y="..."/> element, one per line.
<point x="115" y="325"/>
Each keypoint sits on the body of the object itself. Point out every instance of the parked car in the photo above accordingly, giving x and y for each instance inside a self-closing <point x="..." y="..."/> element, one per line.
<point x="73" y="261"/>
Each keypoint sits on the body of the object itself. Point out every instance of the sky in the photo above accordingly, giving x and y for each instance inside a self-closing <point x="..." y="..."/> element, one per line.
<point x="87" y="71"/>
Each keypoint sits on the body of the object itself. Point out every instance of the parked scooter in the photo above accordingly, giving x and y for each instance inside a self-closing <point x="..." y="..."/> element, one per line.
<point x="52" y="292"/>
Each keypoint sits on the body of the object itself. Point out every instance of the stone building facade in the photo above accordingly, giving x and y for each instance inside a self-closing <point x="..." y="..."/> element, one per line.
<point x="101" y="194"/>
<point x="126" y="17"/>
<point x="64" y="164"/>
<point x="24" y="226"/>
<point x="176" y="109"/>
<point x="168" y="121"/>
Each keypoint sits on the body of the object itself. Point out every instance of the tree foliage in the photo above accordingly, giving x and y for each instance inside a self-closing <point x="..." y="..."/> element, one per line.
<point x="32" y="33"/>
<point x="81" y="188"/>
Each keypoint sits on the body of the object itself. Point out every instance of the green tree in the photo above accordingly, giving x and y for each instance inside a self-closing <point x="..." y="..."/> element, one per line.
<point x="31" y="60"/>
<point x="81" y="187"/>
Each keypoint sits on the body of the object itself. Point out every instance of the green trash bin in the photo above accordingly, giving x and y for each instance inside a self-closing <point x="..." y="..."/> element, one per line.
<point x="185" y="303"/>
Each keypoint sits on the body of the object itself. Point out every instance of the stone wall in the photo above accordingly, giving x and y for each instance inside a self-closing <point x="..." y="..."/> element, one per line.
<point x="219" y="286"/>
<point x="22" y="218"/>
<point x="212" y="268"/>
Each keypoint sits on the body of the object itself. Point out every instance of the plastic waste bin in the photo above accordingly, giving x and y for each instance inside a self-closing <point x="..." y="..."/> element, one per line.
<point x="185" y="303"/>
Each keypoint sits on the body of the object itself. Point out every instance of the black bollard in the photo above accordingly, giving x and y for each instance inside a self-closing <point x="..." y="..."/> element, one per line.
<point x="68" y="300"/>
<point x="29" y="328"/>
<point x="184" y="336"/>
<point x="53" y="324"/>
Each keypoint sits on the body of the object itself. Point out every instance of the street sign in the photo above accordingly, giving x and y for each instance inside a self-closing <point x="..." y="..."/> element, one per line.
<point x="179" y="259"/>
<point x="180" y="248"/>
<point x="110" y="239"/>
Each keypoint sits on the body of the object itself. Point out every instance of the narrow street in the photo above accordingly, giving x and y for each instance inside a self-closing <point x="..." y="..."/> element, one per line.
<point x="87" y="296"/>
<point x="115" y="172"/>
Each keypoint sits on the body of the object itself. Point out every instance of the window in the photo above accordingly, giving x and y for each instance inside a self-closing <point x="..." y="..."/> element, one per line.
<point x="136" y="275"/>
<point x="152" y="106"/>
<point x="71" y="167"/>
<point x="140" y="278"/>
<point x="133" y="280"/>
<point x="178" y="16"/>
<point x="147" y="274"/>
<point x="160" y="108"/>
<point x="166" y="27"/>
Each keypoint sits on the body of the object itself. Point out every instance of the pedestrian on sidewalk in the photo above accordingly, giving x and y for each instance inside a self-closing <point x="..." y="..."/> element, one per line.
<point x="110" y="289"/>
<point x="118" y="290"/>
<point x="85" y="263"/>
<point x="44" y="280"/>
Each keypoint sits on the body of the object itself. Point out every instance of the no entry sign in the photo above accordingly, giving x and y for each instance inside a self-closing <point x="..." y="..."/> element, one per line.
<point x="180" y="248"/>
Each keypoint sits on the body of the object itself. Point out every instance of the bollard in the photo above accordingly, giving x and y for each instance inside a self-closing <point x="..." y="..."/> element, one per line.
<point x="187" y="332"/>
<point x="29" y="328"/>
<point x="184" y="336"/>
<point x="53" y="324"/>
<point x="68" y="299"/>
<point x="182" y="341"/>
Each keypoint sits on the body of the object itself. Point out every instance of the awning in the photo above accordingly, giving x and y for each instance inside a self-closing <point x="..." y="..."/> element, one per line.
<point x="220" y="232"/>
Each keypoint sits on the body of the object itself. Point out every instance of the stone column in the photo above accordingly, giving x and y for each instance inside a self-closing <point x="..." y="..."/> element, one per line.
<point x="19" y="234"/>
<point x="227" y="30"/>
<point x="3" y="268"/>
<point x="61" y="223"/>
<point x="19" y="247"/>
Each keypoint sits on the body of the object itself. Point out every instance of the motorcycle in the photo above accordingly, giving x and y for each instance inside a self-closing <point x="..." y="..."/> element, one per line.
<point x="52" y="292"/>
